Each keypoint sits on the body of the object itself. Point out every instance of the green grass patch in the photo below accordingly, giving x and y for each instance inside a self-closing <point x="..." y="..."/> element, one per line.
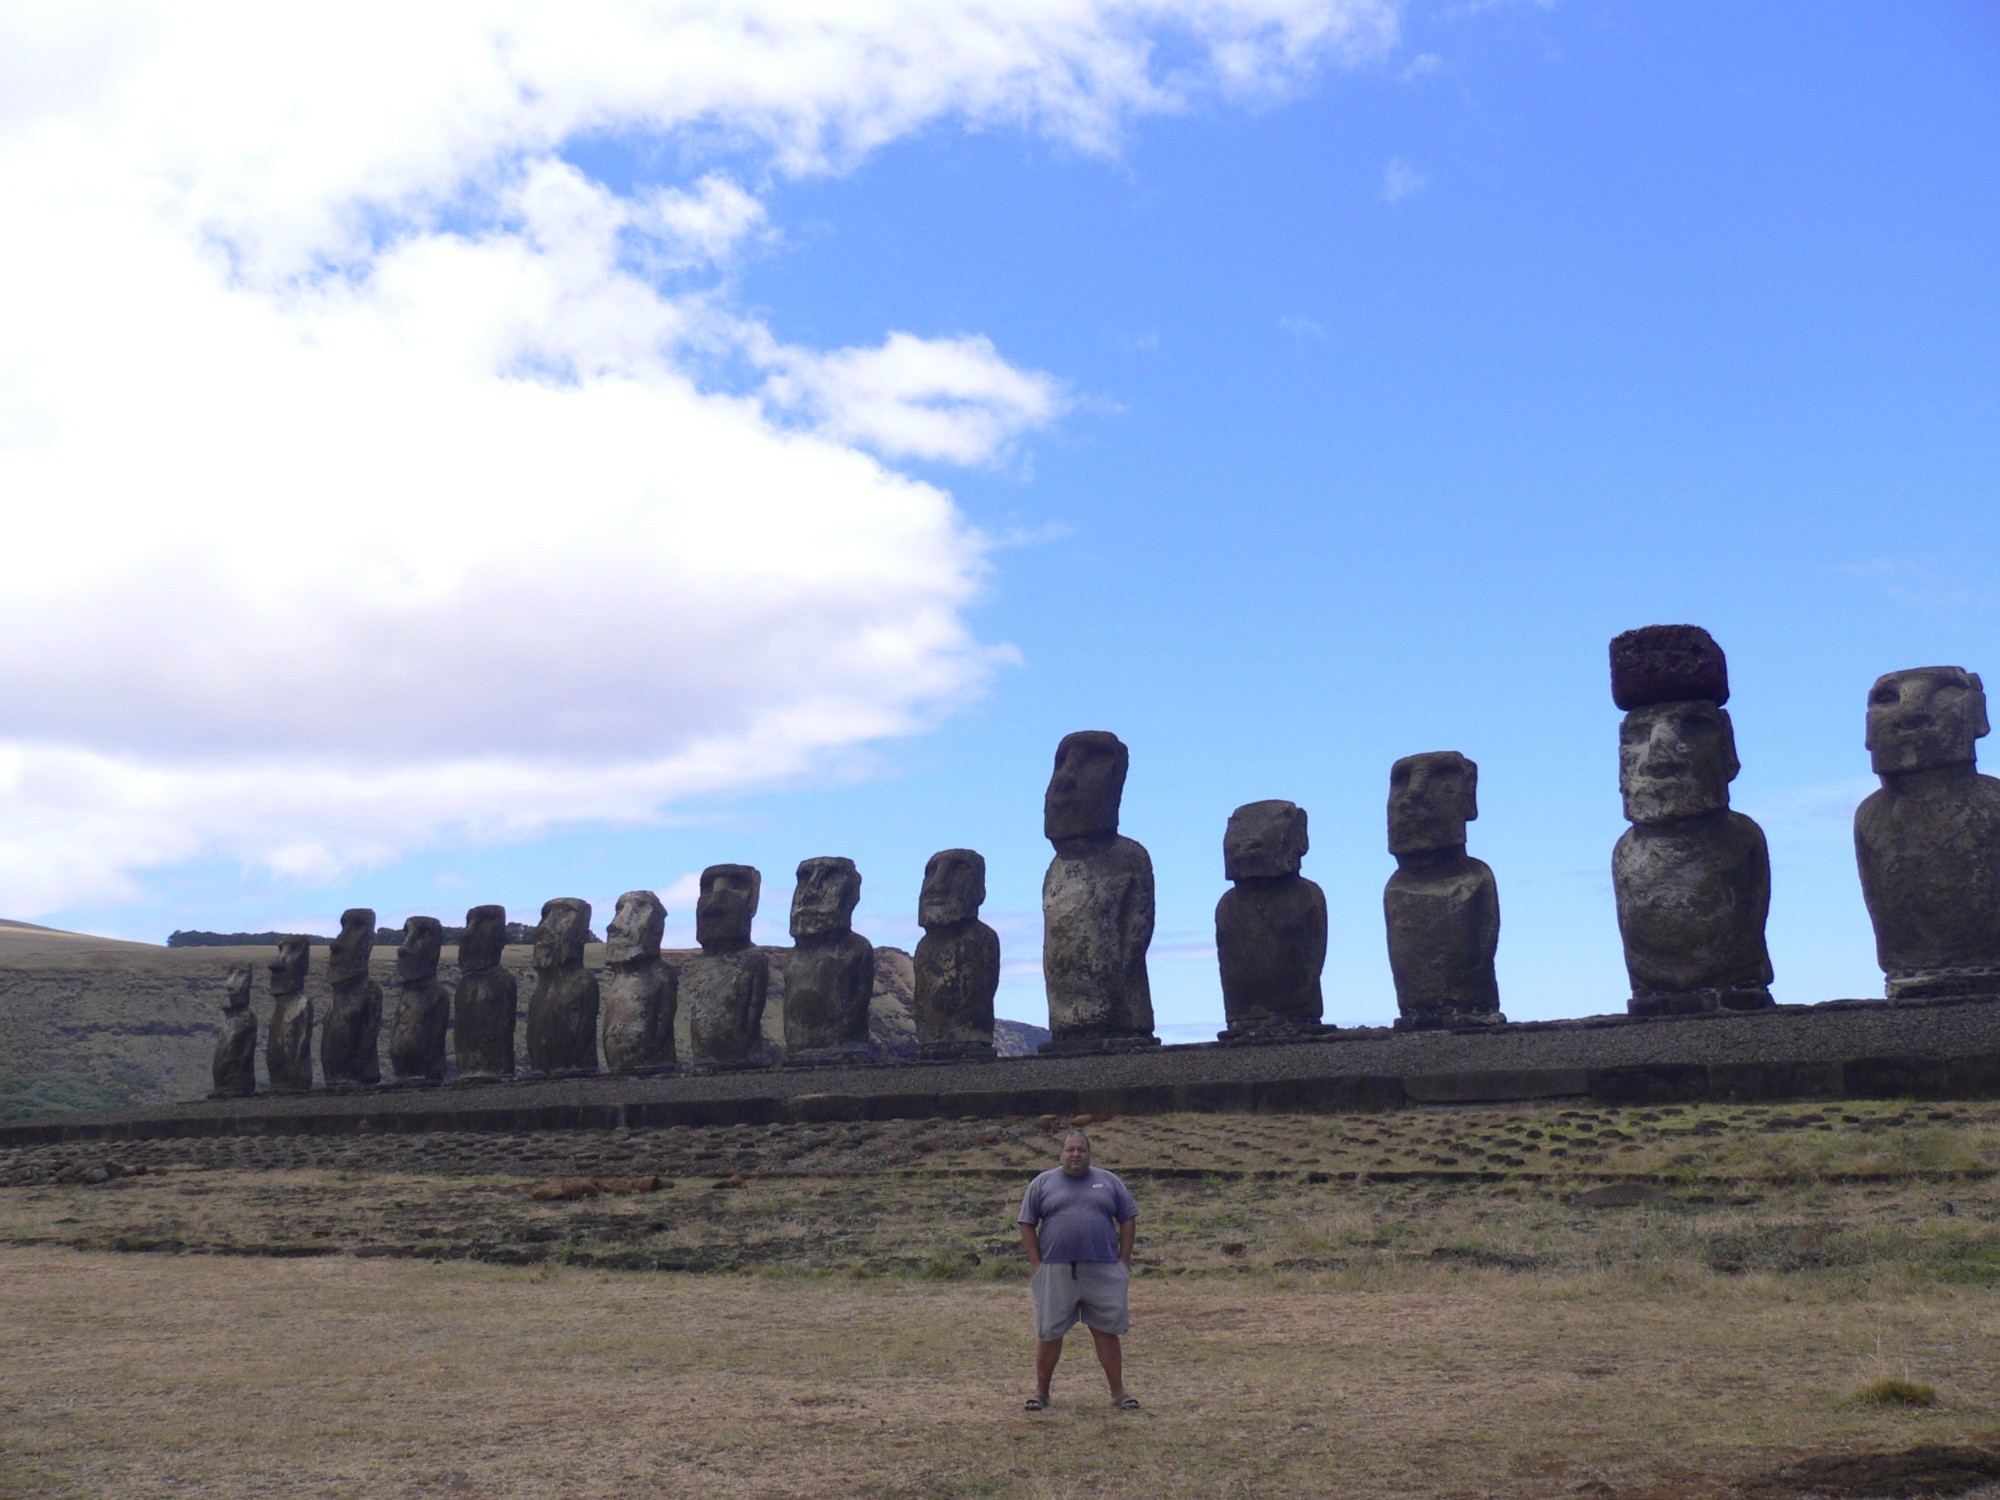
<point x="1891" y="1390"/>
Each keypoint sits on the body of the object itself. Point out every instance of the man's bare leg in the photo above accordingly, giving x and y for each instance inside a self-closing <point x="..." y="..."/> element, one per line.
<point x="1112" y="1356"/>
<point x="1047" y="1352"/>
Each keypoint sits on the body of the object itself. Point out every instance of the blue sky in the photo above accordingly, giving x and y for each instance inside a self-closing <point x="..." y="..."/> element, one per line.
<point x="1289" y="426"/>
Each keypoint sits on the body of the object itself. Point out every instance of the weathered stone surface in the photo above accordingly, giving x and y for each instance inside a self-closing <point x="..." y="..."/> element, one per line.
<point x="423" y="1005"/>
<point x="1928" y="842"/>
<point x="831" y="970"/>
<point x="288" y="1047"/>
<point x="640" y="993"/>
<point x="1667" y="664"/>
<point x="957" y="962"/>
<point x="562" y="1013"/>
<point x="1097" y="903"/>
<point x="350" y="1044"/>
<point x="1692" y="878"/>
<point x="724" y="989"/>
<point x="1441" y="907"/>
<point x="1270" y="927"/>
<point x="235" y="1066"/>
<point x="488" y="999"/>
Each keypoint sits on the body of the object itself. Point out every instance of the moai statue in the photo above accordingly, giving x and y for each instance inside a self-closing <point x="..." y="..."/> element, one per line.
<point x="423" y="1007"/>
<point x="1097" y="904"/>
<point x="350" y="1043"/>
<point x="639" y="990"/>
<point x="831" y="971"/>
<point x="235" y="1066"/>
<point x="1270" y="927"/>
<point x="487" y="1005"/>
<point x="724" y="988"/>
<point x="562" y="1013"/>
<point x="1441" y="905"/>
<point x="957" y="960"/>
<point x="288" y="1047"/>
<point x="1692" y="878"/>
<point x="1928" y="842"/>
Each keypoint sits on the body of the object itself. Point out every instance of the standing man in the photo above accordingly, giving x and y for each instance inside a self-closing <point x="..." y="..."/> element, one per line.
<point x="1076" y="1225"/>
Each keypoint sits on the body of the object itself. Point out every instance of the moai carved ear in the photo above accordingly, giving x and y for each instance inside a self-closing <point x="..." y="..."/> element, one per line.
<point x="1730" y="760"/>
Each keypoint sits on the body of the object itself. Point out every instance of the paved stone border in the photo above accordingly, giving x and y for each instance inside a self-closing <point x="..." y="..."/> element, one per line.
<point x="1845" y="1049"/>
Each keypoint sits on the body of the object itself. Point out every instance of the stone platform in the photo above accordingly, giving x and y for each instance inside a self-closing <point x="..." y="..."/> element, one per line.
<point x="1842" y="1049"/>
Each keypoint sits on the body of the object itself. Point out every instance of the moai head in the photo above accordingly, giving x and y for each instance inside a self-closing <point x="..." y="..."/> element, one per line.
<point x="417" y="955"/>
<point x="1431" y="799"/>
<point x="288" y="969"/>
<point x="1925" y="718"/>
<point x="728" y="902"/>
<point x="485" y="935"/>
<point x="823" y="901"/>
<point x="636" y="928"/>
<point x="1264" y="840"/>
<point x="565" y="929"/>
<point x="236" y="988"/>
<point x="1675" y="760"/>
<point x="1676" y="748"/>
<point x="348" y="958"/>
<point x="954" y="887"/>
<point x="1085" y="788"/>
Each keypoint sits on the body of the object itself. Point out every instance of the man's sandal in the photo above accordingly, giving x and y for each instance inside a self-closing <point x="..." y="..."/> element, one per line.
<point x="1035" y="1403"/>
<point x="1126" y="1403"/>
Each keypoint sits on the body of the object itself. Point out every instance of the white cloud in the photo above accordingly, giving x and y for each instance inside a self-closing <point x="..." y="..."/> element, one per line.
<point x="360" y="482"/>
<point x="701" y="224"/>
<point x="950" y="399"/>
<point x="1400" y="179"/>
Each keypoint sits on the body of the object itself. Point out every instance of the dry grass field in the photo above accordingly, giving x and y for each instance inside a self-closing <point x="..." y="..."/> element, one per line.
<point x="1543" y="1301"/>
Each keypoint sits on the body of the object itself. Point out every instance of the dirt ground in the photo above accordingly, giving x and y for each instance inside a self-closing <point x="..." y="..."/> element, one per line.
<point x="1683" y="1303"/>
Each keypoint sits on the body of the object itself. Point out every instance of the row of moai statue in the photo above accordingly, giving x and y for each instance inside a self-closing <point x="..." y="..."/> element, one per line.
<point x="1692" y="879"/>
<point x="633" y="1009"/>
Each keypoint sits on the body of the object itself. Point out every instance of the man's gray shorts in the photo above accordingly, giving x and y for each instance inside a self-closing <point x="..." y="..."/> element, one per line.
<point x="1093" y="1290"/>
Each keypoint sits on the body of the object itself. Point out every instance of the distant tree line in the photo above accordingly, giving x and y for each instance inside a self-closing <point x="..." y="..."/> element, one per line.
<point x="517" y="932"/>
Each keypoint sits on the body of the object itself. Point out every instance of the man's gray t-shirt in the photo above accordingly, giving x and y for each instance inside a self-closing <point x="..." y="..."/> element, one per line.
<point x="1077" y="1218"/>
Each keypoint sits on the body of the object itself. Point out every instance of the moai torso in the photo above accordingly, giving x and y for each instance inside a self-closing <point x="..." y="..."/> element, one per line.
<point x="724" y="994"/>
<point x="1692" y="898"/>
<point x="1097" y="903"/>
<point x="1692" y="878"/>
<point x="957" y="962"/>
<point x="1443" y="917"/>
<point x="1928" y="842"/>
<point x="562" y="1012"/>
<point x="234" y="1069"/>
<point x="640" y="993"/>
<point x="830" y="973"/>
<point x="1441" y="907"/>
<point x="723" y="989"/>
<point x="488" y="998"/>
<point x="1270" y="926"/>
<point x="288" y="1047"/>
<point x="1097" y="923"/>
<point x="350" y="1048"/>
<point x="423" y="1005"/>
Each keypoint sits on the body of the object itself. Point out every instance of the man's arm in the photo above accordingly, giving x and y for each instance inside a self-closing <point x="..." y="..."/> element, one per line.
<point x="1032" y="1243"/>
<point x="1126" y="1229"/>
